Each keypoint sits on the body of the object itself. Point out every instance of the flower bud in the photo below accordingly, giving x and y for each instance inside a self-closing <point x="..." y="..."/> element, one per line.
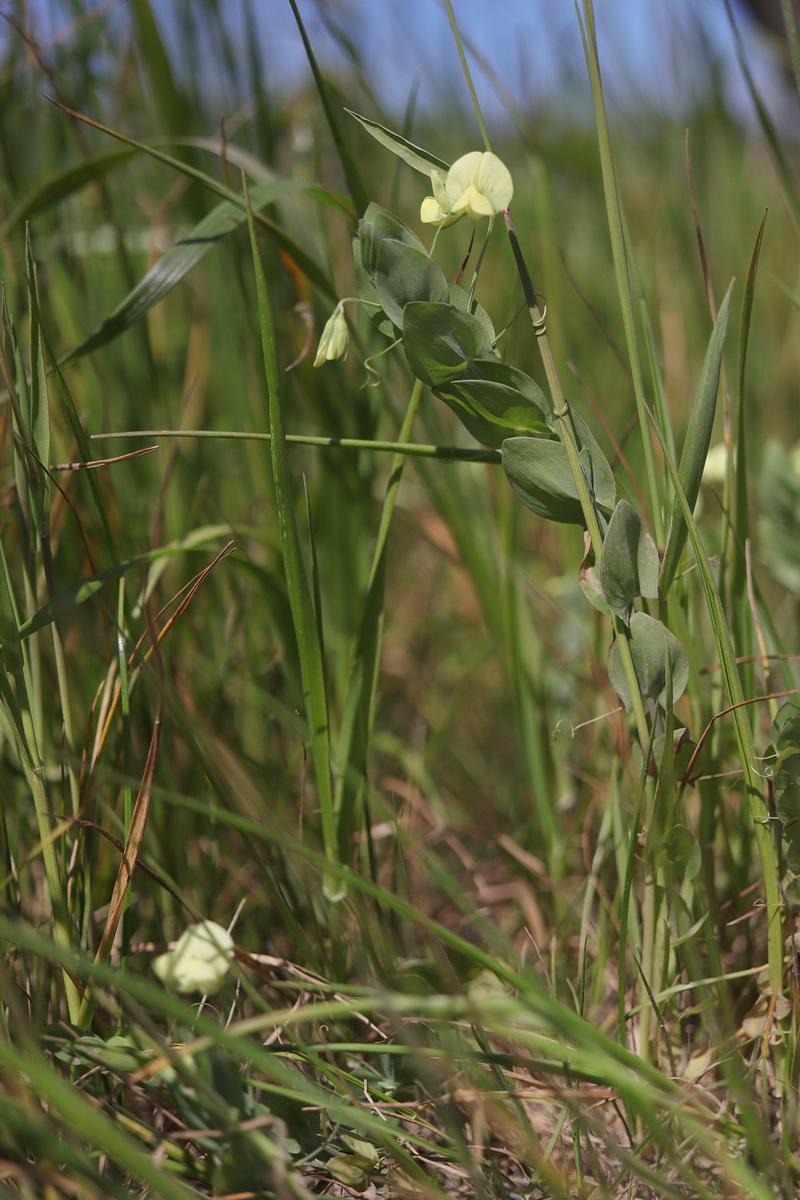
<point x="333" y="343"/>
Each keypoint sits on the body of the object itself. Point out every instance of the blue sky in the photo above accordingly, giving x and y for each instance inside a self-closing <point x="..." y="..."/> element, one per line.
<point x="648" y="48"/>
<point x="644" y="47"/>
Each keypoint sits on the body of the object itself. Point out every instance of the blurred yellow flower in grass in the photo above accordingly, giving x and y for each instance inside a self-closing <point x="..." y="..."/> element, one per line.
<point x="198" y="962"/>
<point x="477" y="185"/>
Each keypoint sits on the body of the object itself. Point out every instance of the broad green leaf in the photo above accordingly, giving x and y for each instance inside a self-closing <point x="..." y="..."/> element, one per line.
<point x="596" y="467"/>
<point x="650" y="644"/>
<point x="403" y="275"/>
<point x="366" y="291"/>
<point x="378" y="223"/>
<point x="460" y="299"/>
<point x="223" y="219"/>
<point x="695" y="446"/>
<point x="590" y="586"/>
<point x="505" y="403"/>
<point x="416" y="157"/>
<point x="629" y="563"/>
<point x="442" y="343"/>
<point x="539" y="472"/>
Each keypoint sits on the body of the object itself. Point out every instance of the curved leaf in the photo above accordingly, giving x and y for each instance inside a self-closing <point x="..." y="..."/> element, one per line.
<point x="442" y="342"/>
<point x="629" y="562"/>
<point x="596" y="467"/>
<point x="539" y="472"/>
<point x="502" y="404"/>
<point x="404" y="275"/>
<point x="650" y="643"/>
<point x="460" y="299"/>
<point x="415" y="156"/>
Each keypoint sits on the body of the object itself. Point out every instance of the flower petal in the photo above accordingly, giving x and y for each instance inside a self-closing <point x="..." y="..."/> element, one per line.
<point x="462" y="175"/>
<point x="474" y="204"/>
<point x="494" y="182"/>
<point x="431" y="213"/>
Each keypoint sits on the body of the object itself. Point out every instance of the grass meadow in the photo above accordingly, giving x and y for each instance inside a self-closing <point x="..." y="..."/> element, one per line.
<point x="455" y="681"/>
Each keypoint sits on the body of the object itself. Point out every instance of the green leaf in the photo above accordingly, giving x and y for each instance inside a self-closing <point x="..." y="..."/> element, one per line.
<point x="376" y="225"/>
<point x="442" y="343"/>
<point x="596" y="467"/>
<point x="695" y="446"/>
<point x="590" y="586"/>
<point x="461" y="300"/>
<point x="223" y="219"/>
<point x="629" y="562"/>
<point x="503" y="404"/>
<point x="540" y="474"/>
<point x="650" y="644"/>
<point x="404" y="275"/>
<point x="416" y="157"/>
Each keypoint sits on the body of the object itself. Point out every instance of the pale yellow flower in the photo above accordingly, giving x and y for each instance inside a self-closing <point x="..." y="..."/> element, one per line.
<point x="198" y="962"/>
<point x="477" y="185"/>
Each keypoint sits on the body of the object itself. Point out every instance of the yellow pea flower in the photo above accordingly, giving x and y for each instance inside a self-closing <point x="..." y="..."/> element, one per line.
<point x="477" y="185"/>
<point x="198" y="962"/>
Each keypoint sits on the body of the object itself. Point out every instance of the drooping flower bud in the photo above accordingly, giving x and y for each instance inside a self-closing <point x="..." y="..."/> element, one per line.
<point x="334" y="340"/>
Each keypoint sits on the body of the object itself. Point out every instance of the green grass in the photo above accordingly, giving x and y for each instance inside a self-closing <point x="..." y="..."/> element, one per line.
<point x="309" y="669"/>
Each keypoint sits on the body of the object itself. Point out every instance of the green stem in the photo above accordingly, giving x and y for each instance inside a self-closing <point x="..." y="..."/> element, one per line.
<point x="402" y="447"/>
<point x="467" y="74"/>
<point x="566" y="433"/>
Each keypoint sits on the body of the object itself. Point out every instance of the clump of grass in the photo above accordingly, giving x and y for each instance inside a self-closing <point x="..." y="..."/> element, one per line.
<point x="508" y="913"/>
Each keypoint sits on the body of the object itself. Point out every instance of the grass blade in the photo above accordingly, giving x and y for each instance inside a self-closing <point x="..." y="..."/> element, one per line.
<point x="305" y="624"/>
<point x="695" y="446"/>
